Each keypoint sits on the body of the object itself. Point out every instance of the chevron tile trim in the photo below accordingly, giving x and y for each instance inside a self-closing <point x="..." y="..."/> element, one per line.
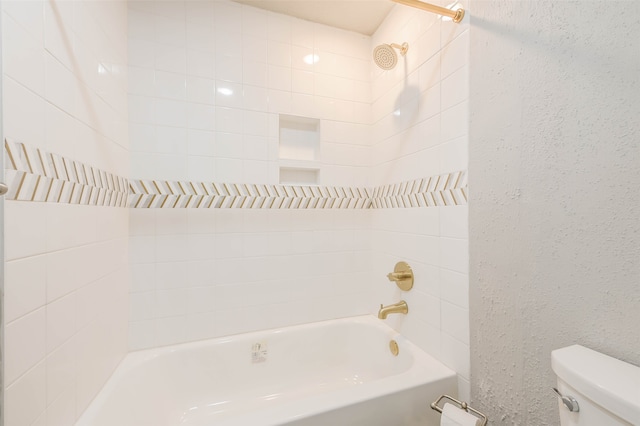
<point x="174" y="194"/>
<point x="34" y="175"/>
<point x="444" y="190"/>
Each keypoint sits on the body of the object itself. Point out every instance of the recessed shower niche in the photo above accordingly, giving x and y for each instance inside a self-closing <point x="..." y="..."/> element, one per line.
<point x="299" y="150"/>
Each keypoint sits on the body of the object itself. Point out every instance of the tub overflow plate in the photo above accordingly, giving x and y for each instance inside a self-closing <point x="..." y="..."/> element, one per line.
<point x="393" y="347"/>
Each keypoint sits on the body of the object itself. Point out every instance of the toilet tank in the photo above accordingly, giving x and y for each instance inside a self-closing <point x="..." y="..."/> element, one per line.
<point x="607" y="390"/>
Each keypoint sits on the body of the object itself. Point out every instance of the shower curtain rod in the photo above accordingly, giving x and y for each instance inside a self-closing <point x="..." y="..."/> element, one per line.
<point x="455" y="15"/>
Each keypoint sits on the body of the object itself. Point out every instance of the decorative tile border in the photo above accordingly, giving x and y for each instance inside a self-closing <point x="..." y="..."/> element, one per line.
<point x="172" y="194"/>
<point x="444" y="190"/>
<point x="35" y="175"/>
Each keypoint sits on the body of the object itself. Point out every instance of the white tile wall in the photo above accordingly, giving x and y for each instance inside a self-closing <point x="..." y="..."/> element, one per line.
<point x="66" y="281"/>
<point x="221" y="78"/>
<point x="206" y="82"/>
<point x="419" y="121"/>
<point x="205" y="104"/>
<point x="243" y="270"/>
<point x="205" y="107"/>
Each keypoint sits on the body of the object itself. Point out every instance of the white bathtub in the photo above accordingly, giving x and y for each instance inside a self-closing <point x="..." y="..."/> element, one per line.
<point x="331" y="373"/>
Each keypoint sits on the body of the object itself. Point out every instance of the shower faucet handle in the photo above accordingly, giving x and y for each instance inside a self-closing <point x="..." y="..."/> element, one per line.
<point x="402" y="275"/>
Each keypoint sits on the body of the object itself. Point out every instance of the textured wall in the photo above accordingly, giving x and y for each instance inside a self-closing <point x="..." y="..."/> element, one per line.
<point x="555" y="168"/>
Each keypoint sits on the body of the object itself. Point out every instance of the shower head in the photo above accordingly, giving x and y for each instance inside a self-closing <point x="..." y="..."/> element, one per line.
<point x="385" y="56"/>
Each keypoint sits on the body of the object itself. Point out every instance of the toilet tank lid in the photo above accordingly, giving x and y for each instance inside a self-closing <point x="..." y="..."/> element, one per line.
<point x="607" y="381"/>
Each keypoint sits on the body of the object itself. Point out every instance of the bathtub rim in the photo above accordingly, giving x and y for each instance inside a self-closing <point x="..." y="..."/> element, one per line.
<point x="425" y="367"/>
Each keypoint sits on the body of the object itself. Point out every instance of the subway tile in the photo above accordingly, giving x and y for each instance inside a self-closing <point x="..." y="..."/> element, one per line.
<point x="255" y="123"/>
<point x="171" y="275"/>
<point x="303" y="82"/>
<point x="142" y="334"/>
<point x="170" y="112"/>
<point x="201" y="168"/>
<point x="171" y="248"/>
<point x="61" y="370"/>
<point x="171" y="330"/>
<point x="455" y="88"/>
<point x="60" y="85"/>
<point x="254" y="73"/>
<point x="229" y="145"/>
<point x="255" y="171"/>
<point x="454" y="222"/>
<point x="141" y="26"/>
<point x="279" y="78"/>
<point x="142" y="109"/>
<point x="61" y="320"/>
<point x="202" y="299"/>
<point x="228" y="17"/>
<point x="255" y="98"/>
<point x="455" y="54"/>
<point x="279" y="27"/>
<point x="142" y="306"/>
<point x="454" y="254"/>
<point x="229" y="68"/>
<point x="279" y="54"/>
<point x="62" y="410"/>
<point x="455" y="121"/>
<point x="142" y="222"/>
<point x="25" y="344"/>
<point x="454" y="154"/>
<point x="201" y="37"/>
<point x="200" y="64"/>
<point x="302" y="57"/>
<point x="201" y="142"/>
<point x="201" y="325"/>
<point x="201" y="90"/>
<point x="254" y="22"/>
<point x="170" y="166"/>
<point x="455" y="321"/>
<point x="455" y="355"/>
<point x="25" y="286"/>
<point x="302" y="34"/>
<point x="25" y="400"/>
<point x="171" y="222"/>
<point x="24" y="57"/>
<point x="24" y="113"/>
<point x="169" y="85"/>
<point x="142" y="81"/>
<point x="143" y="277"/>
<point x="170" y="31"/>
<point x="142" y="249"/>
<point x="229" y="120"/>
<point x="141" y="53"/>
<point x="454" y="288"/>
<point x="29" y="240"/>
<point x="29" y="15"/>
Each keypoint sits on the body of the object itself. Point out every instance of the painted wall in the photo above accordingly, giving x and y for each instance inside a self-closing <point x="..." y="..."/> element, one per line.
<point x="419" y="122"/>
<point x="208" y="81"/>
<point x="66" y="279"/>
<point x="554" y="229"/>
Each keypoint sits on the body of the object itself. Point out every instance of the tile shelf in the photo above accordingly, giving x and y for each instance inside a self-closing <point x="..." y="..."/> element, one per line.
<point x="299" y="150"/>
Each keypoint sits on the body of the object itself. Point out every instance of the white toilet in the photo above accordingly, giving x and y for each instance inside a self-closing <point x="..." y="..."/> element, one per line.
<point x="595" y="389"/>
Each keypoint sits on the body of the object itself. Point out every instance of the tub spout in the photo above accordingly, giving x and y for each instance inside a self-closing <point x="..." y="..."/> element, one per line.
<point x="397" y="308"/>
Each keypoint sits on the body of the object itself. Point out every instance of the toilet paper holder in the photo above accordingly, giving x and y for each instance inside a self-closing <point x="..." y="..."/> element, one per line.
<point x="463" y="405"/>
